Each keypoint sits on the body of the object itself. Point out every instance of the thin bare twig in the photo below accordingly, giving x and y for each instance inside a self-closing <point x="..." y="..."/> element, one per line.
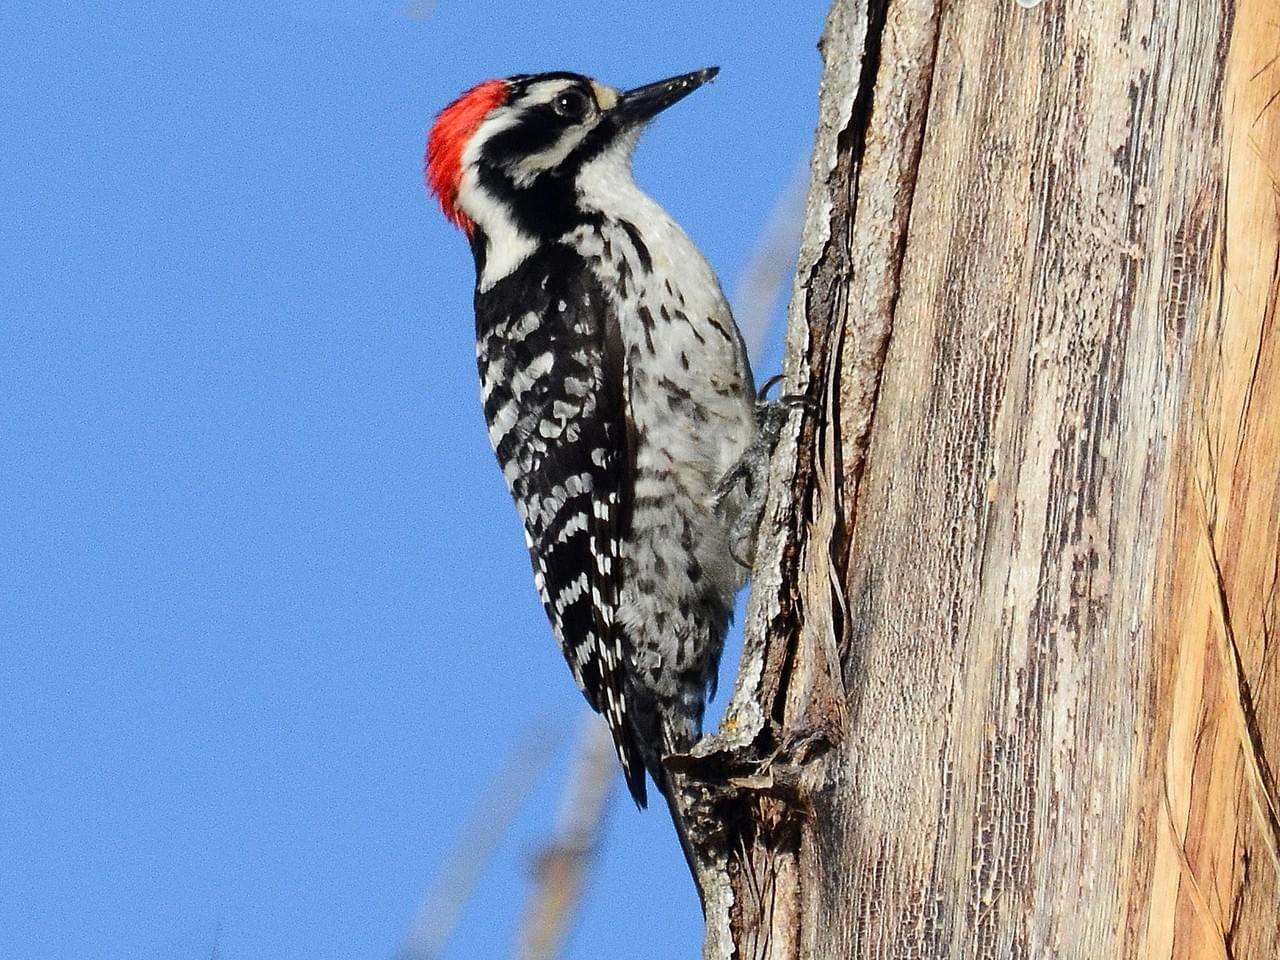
<point x="420" y="10"/>
<point x="561" y="867"/>
<point x="489" y="821"/>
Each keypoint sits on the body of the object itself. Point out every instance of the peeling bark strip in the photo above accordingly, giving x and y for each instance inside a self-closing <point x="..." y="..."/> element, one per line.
<point x="1010" y="685"/>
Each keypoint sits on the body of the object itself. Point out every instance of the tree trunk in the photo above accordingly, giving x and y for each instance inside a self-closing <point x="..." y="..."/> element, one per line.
<point x="1010" y="686"/>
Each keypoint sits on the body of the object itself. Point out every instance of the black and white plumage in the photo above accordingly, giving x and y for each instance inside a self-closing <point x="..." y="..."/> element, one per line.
<point x="551" y="374"/>
<point x="616" y="389"/>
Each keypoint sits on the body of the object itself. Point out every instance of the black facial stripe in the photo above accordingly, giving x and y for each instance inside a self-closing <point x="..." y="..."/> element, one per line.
<point x="545" y="208"/>
<point x="536" y="131"/>
<point x="593" y="144"/>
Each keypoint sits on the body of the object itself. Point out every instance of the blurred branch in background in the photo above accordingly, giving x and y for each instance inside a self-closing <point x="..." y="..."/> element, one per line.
<point x="472" y="852"/>
<point x="770" y="266"/>
<point x="561" y="867"/>
<point x="420" y="10"/>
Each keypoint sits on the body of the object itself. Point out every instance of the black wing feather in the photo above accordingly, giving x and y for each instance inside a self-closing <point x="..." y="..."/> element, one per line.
<point x="551" y="368"/>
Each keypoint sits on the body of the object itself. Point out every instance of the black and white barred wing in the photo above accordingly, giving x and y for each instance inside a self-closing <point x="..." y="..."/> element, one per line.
<point x="551" y="378"/>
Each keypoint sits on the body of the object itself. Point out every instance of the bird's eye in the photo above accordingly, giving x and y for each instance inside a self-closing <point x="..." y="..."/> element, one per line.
<point x="571" y="105"/>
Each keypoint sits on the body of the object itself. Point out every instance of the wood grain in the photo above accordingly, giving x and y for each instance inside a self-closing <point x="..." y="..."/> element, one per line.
<point x="1021" y="580"/>
<point x="1209" y="803"/>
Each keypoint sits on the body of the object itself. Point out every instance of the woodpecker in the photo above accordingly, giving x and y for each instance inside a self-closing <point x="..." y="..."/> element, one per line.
<point x="616" y="389"/>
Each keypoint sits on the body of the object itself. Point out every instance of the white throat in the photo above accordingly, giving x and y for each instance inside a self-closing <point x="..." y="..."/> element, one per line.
<point x="605" y="183"/>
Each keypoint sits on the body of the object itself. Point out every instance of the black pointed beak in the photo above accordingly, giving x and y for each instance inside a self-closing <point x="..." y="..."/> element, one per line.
<point x="642" y="103"/>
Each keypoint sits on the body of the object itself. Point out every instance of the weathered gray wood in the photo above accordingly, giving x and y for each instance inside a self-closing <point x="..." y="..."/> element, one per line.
<point x="1006" y="691"/>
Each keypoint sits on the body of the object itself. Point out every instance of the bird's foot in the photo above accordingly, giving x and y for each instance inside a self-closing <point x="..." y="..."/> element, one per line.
<point x="740" y="494"/>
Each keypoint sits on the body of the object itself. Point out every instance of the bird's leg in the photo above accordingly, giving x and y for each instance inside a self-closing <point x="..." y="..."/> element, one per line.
<point x="741" y="492"/>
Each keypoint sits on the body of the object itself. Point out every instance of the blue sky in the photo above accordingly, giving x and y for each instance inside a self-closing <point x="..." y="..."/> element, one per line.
<point x="267" y="626"/>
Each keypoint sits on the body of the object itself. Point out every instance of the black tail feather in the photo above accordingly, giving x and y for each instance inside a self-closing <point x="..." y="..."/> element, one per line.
<point x="633" y="766"/>
<point x="662" y="780"/>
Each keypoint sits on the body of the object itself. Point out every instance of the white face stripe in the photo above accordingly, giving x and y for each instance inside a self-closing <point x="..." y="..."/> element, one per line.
<point x="544" y="91"/>
<point x="526" y="170"/>
<point x="508" y="245"/>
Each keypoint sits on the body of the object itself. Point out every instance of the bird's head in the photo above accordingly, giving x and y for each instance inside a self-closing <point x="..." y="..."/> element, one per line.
<point x="512" y="154"/>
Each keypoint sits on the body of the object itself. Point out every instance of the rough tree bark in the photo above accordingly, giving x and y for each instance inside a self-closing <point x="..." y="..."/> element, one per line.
<point x="1010" y="687"/>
